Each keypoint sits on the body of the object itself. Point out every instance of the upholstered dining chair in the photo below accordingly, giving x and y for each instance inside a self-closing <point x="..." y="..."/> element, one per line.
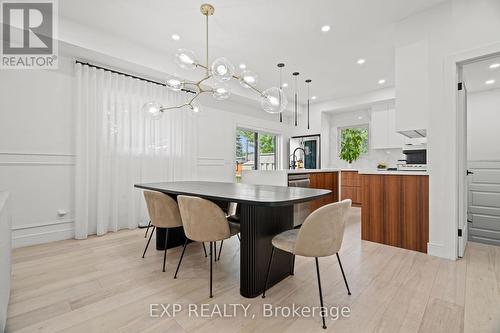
<point x="164" y="213"/>
<point x="320" y="236"/>
<point x="232" y="215"/>
<point x="204" y="221"/>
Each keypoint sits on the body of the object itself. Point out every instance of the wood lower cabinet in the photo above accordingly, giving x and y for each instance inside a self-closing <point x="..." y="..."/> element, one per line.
<point x="324" y="181"/>
<point x="351" y="187"/>
<point x="395" y="210"/>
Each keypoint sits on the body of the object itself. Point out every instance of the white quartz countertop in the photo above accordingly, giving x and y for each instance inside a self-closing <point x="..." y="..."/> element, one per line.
<point x="399" y="173"/>
<point x="292" y="171"/>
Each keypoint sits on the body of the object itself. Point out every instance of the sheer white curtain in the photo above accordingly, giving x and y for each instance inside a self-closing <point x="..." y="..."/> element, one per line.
<point x="117" y="145"/>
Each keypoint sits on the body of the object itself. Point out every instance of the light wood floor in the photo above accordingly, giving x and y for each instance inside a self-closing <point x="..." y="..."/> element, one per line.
<point x="103" y="285"/>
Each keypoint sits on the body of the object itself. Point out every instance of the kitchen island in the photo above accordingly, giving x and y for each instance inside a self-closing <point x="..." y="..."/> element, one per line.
<point x="395" y="208"/>
<point x="326" y="179"/>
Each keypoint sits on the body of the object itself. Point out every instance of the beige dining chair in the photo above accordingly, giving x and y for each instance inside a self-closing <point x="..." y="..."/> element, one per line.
<point x="320" y="236"/>
<point x="204" y="221"/>
<point x="163" y="213"/>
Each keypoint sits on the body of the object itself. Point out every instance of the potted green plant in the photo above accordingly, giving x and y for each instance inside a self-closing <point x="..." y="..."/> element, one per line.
<point x="351" y="144"/>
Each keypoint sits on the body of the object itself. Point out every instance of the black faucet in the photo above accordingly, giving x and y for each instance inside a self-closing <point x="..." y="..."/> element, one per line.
<point x="294" y="160"/>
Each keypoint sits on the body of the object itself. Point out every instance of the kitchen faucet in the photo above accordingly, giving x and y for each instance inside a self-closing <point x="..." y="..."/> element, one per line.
<point x="294" y="160"/>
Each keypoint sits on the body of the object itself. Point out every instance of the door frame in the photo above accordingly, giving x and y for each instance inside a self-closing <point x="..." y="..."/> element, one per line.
<point x="451" y="79"/>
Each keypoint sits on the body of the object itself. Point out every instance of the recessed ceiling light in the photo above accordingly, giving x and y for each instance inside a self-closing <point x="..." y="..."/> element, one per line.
<point x="314" y="97"/>
<point x="243" y="66"/>
<point x="325" y="28"/>
<point x="361" y="61"/>
<point x="490" y="82"/>
<point x="176" y="37"/>
<point x="360" y="117"/>
<point x="284" y="85"/>
<point x="381" y="81"/>
<point x="494" y="66"/>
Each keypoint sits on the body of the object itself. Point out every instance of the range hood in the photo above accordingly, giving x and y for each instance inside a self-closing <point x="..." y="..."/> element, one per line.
<point x="412" y="134"/>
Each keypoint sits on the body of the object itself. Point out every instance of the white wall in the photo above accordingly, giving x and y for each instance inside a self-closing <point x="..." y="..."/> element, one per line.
<point x="5" y="256"/>
<point x="36" y="152"/>
<point x="366" y="161"/>
<point x="37" y="158"/>
<point x="483" y="119"/>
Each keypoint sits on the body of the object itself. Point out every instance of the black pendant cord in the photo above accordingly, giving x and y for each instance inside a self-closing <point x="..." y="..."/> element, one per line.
<point x="308" y="123"/>
<point x="296" y="99"/>
<point x="280" y="66"/>
<point x="128" y="75"/>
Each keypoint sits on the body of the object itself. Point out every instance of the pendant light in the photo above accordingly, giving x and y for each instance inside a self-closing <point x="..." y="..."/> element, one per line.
<point x="296" y="99"/>
<point x="280" y="67"/>
<point x="307" y="83"/>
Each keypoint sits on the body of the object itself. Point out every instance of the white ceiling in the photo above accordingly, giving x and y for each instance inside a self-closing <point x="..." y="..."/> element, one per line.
<point x="261" y="33"/>
<point x="477" y="73"/>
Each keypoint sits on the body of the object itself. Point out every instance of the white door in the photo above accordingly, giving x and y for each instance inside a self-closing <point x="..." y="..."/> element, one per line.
<point x="462" y="168"/>
<point x="484" y="202"/>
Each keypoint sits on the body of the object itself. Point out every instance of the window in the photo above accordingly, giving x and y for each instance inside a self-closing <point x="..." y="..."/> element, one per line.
<point x="361" y="129"/>
<point x="255" y="150"/>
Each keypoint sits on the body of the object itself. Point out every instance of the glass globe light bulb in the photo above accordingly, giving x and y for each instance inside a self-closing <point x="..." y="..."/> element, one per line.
<point x="222" y="69"/>
<point x="221" y="92"/>
<point x="185" y="59"/>
<point x="273" y="100"/>
<point x="152" y="109"/>
<point x="174" y="83"/>
<point x="248" y="79"/>
<point x="195" y="107"/>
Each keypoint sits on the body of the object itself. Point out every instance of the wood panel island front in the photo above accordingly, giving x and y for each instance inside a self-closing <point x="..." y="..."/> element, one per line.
<point x="395" y="210"/>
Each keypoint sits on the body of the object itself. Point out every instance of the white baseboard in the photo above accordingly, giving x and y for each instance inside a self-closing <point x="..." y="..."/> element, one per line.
<point x="45" y="233"/>
<point x="439" y="250"/>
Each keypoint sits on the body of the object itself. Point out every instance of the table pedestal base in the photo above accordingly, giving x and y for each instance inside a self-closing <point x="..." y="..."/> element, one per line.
<point x="259" y="224"/>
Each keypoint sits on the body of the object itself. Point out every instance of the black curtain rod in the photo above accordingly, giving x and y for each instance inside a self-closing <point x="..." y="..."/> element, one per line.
<point x="128" y="75"/>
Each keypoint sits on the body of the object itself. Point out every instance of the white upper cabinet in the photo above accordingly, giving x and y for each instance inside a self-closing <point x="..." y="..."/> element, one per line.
<point x="412" y="87"/>
<point x="383" y="130"/>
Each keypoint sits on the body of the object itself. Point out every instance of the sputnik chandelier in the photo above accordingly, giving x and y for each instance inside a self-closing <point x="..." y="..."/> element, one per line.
<point x="272" y="100"/>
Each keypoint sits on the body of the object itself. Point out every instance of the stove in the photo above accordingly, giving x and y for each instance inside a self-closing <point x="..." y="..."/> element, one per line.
<point x="412" y="167"/>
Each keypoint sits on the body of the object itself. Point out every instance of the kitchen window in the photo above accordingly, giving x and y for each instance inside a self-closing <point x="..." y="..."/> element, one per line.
<point x="255" y="150"/>
<point x="360" y="129"/>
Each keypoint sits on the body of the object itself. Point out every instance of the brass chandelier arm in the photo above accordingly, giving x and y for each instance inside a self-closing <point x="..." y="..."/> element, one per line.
<point x="249" y="86"/>
<point x="163" y="109"/>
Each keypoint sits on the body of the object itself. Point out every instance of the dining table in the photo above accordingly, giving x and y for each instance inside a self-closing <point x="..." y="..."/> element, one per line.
<point x="265" y="211"/>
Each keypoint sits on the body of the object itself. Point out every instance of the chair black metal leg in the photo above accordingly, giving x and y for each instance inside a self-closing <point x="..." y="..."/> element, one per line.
<point x="268" y="271"/>
<point x="180" y="259"/>
<point x="147" y="229"/>
<point x="211" y="255"/>
<point x="215" y="251"/>
<point x="293" y="266"/>
<point x="322" y="309"/>
<point x="239" y="238"/>
<point x="342" y="270"/>
<point x="204" y="249"/>
<point x="165" y="252"/>
<point x="149" y="240"/>
<point x="220" y="249"/>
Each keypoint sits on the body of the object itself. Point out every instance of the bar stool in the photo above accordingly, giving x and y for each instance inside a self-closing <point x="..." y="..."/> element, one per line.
<point x="320" y="236"/>
<point x="204" y="221"/>
<point x="164" y="213"/>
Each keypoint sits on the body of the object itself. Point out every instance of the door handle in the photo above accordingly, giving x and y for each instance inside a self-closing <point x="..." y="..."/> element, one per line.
<point x="469" y="172"/>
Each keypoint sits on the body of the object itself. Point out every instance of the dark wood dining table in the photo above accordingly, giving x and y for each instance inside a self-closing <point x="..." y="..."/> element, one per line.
<point x="265" y="212"/>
